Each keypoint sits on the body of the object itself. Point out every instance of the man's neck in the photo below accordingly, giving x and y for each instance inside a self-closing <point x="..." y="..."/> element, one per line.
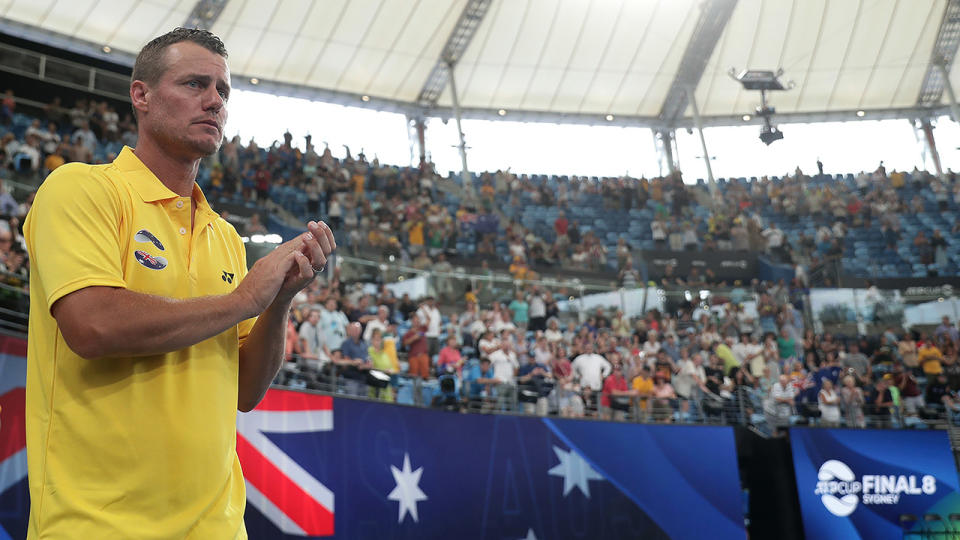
<point x="178" y="174"/>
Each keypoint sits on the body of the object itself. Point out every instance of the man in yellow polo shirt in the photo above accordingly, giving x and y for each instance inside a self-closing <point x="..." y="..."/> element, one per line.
<point x="147" y="333"/>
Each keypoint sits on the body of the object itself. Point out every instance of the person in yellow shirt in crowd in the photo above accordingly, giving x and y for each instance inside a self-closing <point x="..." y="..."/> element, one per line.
<point x="381" y="360"/>
<point x="518" y="268"/>
<point x="54" y="160"/>
<point x="147" y="333"/>
<point x="415" y="236"/>
<point x="642" y="384"/>
<point x="930" y="359"/>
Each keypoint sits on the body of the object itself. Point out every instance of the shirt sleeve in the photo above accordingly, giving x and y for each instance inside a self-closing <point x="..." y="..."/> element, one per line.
<point x="73" y="233"/>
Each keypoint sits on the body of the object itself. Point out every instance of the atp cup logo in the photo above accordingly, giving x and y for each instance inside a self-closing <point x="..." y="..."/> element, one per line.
<point x="835" y="478"/>
<point x="840" y="491"/>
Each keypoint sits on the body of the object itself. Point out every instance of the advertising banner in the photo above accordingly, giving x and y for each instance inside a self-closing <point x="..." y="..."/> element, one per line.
<point x="342" y="468"/>
<point x="727" y="265"/>
<point x="855" y="483"/>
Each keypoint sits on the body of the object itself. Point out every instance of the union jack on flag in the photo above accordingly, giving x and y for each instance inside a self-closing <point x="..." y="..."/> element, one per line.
<point x="279" y="487"/>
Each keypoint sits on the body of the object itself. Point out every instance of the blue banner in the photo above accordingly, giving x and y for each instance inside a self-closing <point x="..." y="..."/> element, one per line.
<point x="856" y="483"/>
<point x="365" y="468"/>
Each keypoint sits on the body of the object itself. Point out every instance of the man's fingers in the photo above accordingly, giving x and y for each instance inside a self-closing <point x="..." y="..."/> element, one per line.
<point x="306" y="271"/>
<point x="329" y="233"/>
<point x="320" y="232"/>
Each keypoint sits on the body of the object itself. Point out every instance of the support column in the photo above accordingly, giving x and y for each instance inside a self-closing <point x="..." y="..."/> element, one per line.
<point x="665" y="140"/>
<point x="421" y="128"/>
<point x="703" y="142"/>
<point x="931" y="143"/>
<point x="467" y="183"/>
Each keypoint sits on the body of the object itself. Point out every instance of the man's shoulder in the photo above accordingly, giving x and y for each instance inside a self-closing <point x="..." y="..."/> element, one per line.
<point x="74" y="183"/>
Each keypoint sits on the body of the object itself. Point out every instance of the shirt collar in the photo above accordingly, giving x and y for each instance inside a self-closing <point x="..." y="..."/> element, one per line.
<point x="148" y="186"/>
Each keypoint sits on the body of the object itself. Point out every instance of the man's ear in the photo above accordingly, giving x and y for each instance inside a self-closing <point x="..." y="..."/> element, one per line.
<point x="139" y="94"/>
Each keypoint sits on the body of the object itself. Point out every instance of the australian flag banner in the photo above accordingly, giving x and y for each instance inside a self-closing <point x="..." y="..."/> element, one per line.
<point x="318" y="466"/>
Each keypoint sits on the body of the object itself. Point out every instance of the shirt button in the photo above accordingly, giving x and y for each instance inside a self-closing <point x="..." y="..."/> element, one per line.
<point x="183" y="230"/>
<point x="179" y="204"/>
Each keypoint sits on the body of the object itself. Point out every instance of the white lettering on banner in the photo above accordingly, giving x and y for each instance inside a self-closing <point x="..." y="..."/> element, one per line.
<point x="838" y="488"/>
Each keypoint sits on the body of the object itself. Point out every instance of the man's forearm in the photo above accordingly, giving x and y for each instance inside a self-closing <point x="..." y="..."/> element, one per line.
<point x="119" y="322"/>
<point x="262" y="355"/>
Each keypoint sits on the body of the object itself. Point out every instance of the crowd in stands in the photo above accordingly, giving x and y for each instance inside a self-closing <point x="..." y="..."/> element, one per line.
<point x="694" y="363"/>
<point x="690" y="361"/>
<point x="879" y="223"/>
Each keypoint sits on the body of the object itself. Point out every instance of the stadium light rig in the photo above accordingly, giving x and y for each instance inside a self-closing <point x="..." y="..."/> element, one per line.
<point x="764" y="81"/>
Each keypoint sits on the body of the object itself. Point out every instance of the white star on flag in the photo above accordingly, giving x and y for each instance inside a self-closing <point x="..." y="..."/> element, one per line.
<point x="530" y="535"/>
<point x="407" y="492"/>
<point x="575" y="471"/>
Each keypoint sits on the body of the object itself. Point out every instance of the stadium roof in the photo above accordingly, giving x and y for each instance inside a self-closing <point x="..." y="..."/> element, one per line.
<point x="557" y="60"/>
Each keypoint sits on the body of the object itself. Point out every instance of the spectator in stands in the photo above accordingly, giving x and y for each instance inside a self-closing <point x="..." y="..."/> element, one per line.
<point x="430" y="317"/>
<point x="560" y="224"/>
<point x="314" y="353"/>
<point x="663" y="398"/>
<point x="56" y="158"/>
<point x="616" y="395"/>
<point x="591" y="369"/>
<point x="853" y="402"/>
<point x="939" y="394"/>
<point x="381" y="360"/>
<point x="520" y="309"/>
<point x="929" y="358"/>
<point x="658" y="231"/>
<point x="907" y="350"/>
<point x="628" y="276"/>
<point x="642" y="385"/>
<point x="537" y="309"/>
<point x="504" y="362"/>
<point x="479" y="381"/>
<point x="84" y="143"/>
<point x="415" y="341"/>
<point x="27" y="158"/>
<point x="779" y="407"/>
<point x="946" y="331"/>
<point x="533" y="377"/>
<point x="882" y="400"/>
<point x="857" y="363"/>
<point x="450" y="356"/>
<point x="356" y="353"/>
<point x="910" y="394"/>
<point x="829" y="404"/>
<point x="381" y="322"/>
<point x="333" y="323"/>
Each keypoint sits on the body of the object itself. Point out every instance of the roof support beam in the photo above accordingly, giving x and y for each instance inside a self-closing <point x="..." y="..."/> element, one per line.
<point x="460" y="38"/>
<point x="714" y="16"/>
<point x="941" y="59"/>
<point x="204" y="14"/>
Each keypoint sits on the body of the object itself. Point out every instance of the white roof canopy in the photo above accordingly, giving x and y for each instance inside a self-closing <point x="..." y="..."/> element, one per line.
<point x="564" y="58"/>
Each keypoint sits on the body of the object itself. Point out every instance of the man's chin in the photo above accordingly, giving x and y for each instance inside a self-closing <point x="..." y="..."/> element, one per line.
<point x="206" y="147"/>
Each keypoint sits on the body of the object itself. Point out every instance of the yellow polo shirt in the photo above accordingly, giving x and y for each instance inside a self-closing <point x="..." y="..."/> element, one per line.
<point x="140" y="447"/>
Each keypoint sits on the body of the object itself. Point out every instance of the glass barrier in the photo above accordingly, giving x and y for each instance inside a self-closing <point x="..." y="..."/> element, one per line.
<point x="748" y="405"/>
